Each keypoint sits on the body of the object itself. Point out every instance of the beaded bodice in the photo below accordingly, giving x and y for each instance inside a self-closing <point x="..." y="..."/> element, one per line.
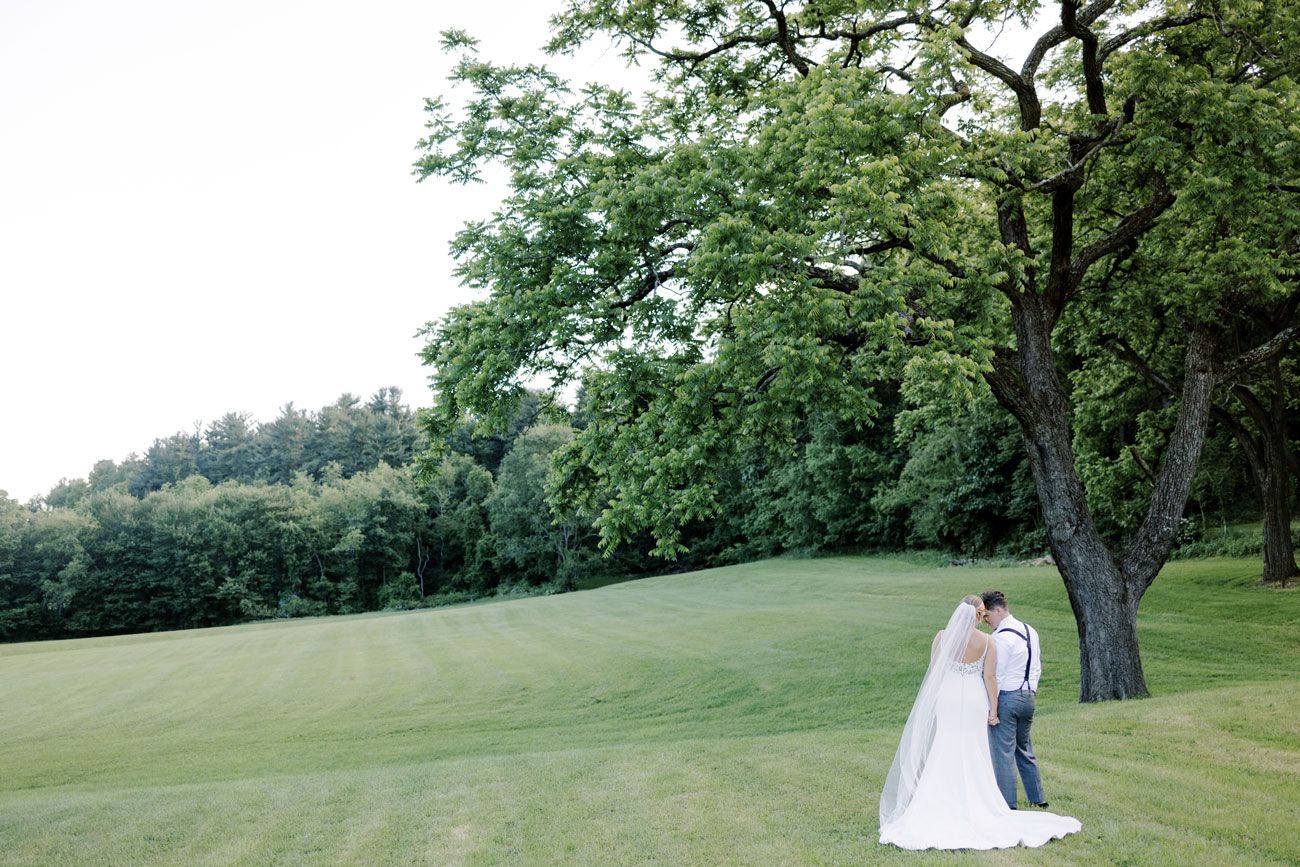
<point x="971" y="669"/>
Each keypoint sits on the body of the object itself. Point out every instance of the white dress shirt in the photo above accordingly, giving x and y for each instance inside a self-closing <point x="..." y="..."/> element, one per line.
<point x="1012" y="654"/>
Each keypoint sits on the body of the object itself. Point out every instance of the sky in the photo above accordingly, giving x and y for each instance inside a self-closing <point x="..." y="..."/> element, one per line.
<point x="208" y="207"/>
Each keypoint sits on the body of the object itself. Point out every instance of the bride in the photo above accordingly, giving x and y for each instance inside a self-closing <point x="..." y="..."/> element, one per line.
<point x="941" y="792"/>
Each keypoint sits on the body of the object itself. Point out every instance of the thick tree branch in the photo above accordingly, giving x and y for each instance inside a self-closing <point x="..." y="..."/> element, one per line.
<point x="894" y="70"/>
<point x="1146" y="29"/>
<point x="1059" y="284"/>
<point x="874" y="29"/>
<point x="832" y="279"/>
<point x="1010" y="388"/>
<point x="1031" y="109"/>
<point x="766" y="379"/>
<point x="881" y="246"/>
<point x="1124" y="351"/>
<point x="905" y="244"/>
<point x="1154" y="540"/>
<point x="783" y="38"/>
<point x="672" y="248"/>
<point x="1057" y="35"/>
<point x="950" y="100"/>
<point x="651" y="282"/>
<point x="1266" y="351"/>
<point x="1143" y="465"/>
<point x="1253" y="407"/>
<point x="1258" y="413"/>
<point x="1091" y="65"/>
<point x="1250" y="446"/>
<point x="946" y="264"/>
<point x="695" y="58"/>
<point x="1014" y="231"/>
<point x="1128" y="230"/>
<point x="1084" y="146"/>
<point x="1254" y="454"/>
<point x="798" y="61"/>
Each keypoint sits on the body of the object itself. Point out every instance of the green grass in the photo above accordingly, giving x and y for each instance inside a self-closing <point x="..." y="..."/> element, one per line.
<point x="744" y="715"/>
<point x="1231" y="540"/>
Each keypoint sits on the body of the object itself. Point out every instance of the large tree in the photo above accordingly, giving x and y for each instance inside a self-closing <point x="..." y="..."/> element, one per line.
<point x="1255" y="406"/>
<point x="816" y="196"/>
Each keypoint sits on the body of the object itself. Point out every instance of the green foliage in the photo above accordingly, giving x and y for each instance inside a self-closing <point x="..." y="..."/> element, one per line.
<point x="93" y="559"/>
<point x="966" y="487"/>
<point x="229" y="450"/>
<point x="194" y="553"/>
<point x="1118" y="439"/>
<point x="353" y="436"/>
<point x="67" y="493"/>
<point x="488" y="447"/>
<point x="823" y="498"/>
<point x="531" y="543"/>
<point x="610" y="203"/>
<point x="1239" y="540"/>
<point x="456" y="497"/>
<point x="19" y="604"/>
<point x="787" y="220"/>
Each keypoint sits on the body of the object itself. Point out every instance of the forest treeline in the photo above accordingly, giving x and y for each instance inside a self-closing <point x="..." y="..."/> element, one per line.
<point x="326" y="512"/>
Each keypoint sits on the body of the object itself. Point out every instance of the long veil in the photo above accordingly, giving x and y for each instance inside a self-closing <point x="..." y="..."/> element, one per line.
<point x="918" y="734"/>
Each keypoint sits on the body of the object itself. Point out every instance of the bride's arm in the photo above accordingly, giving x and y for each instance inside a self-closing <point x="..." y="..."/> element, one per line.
<point x="991" y="680"/>
<point x="934" y="645"/>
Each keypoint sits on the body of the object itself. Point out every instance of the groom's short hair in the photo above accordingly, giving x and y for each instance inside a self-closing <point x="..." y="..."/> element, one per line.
<point x="994" y="599"/>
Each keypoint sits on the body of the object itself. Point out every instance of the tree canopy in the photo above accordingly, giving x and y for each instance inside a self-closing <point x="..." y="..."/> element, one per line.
<point x="818" y="198"/>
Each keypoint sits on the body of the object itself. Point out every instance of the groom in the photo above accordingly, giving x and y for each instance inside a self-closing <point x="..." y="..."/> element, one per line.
<point x="1018" y="669"/>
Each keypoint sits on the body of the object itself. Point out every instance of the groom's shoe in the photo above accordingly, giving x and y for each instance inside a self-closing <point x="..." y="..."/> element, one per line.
<point x="1042" y="806"/>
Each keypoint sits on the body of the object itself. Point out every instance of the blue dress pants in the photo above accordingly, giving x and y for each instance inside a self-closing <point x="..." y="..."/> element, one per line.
<point x="1011" y="749"/>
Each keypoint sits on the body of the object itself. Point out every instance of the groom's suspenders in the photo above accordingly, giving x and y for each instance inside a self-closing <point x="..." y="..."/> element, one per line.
<point x="1024" y="684"/>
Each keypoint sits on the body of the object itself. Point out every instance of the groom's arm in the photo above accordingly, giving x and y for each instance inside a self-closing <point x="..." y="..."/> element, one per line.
<point x="1036" y="664"/>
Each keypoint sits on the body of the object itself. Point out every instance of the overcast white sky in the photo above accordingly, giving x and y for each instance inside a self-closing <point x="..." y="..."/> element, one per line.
<point x="207" y="207"/>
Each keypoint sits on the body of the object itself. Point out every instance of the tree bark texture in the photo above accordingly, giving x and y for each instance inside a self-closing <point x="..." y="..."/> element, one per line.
<point x="1104" y="587"/>
<point x="1267" y="448"/>
<point x="1271" y="463"/>
<point x="1275" y="492"/>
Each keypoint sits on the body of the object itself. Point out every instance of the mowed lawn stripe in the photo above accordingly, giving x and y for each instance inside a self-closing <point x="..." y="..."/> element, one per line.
<point x="737" y="716"/>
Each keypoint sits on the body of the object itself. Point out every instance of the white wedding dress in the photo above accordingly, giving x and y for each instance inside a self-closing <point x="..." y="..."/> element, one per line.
<point x="941" y="792"/>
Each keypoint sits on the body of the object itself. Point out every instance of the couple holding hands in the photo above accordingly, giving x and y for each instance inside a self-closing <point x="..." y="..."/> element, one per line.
<point x="953" y="781"/>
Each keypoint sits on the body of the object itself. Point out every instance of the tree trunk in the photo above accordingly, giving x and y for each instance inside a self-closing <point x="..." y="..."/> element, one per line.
<point x="1271" y="465"/>
<point x="1105" y="609"/>
<point x="1275" y="486"/>
<point x="421" y="562"/>
<point x="1268" y="453"/>
<point x="1275" y="492"/>
<point x="1110" y="666"/>
<point x="1104" y="588"/>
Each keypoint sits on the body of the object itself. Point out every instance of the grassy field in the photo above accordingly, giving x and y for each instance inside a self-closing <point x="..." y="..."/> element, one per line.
<point x="744" y="715"/>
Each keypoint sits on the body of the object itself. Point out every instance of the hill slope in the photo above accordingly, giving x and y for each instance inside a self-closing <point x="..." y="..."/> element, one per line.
<point x="744" y="715"/>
